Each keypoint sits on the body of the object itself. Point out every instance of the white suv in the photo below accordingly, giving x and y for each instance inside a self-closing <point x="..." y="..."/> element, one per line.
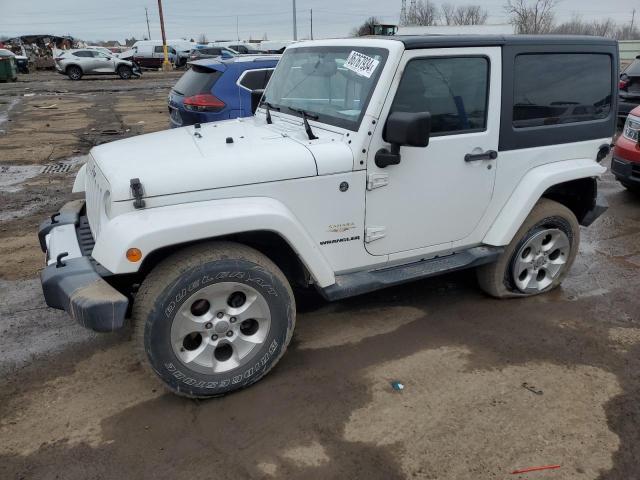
<point x="371" y="162"/>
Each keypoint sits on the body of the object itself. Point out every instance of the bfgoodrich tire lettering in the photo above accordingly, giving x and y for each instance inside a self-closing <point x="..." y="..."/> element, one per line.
<point x="498" y="280"/>
<point x="177" y="280"/>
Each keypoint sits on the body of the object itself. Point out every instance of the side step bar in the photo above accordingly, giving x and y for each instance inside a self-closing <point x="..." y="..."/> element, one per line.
<point x="357" y="283"/>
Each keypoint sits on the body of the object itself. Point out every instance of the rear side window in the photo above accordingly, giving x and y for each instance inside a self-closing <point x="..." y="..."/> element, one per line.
<point x="256" y="79"/>
<point x="197" y="80"/>
<point x="453" y="89"/>
<point x="552" y="89"/>
<point x="211" y="51"/>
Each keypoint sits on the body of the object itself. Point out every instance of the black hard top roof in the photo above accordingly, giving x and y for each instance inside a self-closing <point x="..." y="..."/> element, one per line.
<point x="433" y="41"/>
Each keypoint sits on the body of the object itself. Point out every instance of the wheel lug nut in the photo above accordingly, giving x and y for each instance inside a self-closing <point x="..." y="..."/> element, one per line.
<point x="229" y="333"/>
<point x="233" y="319"/>
<point x="220" y="315"/>
<point x="214" y="337"/>
<point x="208" y="325"/>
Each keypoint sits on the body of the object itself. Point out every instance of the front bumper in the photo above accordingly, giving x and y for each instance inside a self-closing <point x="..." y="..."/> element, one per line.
<point x="72" y="280"/>
<point x="626" y="171"/>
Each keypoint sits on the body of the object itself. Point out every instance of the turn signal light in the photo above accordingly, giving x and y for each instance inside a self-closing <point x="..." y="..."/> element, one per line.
<point x="134" y="255"/>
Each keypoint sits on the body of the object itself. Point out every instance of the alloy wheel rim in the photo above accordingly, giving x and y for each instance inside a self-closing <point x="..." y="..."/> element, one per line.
<point x="541" y="260"/>
<point x="219" y="327"/>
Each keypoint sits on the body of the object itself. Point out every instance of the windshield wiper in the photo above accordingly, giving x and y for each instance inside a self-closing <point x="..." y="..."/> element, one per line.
<point x="307" y="127"/>
<point x="268" y="109"/>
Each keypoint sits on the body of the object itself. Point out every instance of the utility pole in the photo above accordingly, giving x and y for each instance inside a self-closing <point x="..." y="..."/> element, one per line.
<point x="311" y="12"/>
<point x="165" y="63"/>
<point x="633" y="17"/>
<point x="146" y="12"/>
<point x="295" y="29"/>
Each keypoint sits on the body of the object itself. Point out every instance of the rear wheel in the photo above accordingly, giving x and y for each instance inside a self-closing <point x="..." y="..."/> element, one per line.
<point x="125" y="72"/>
<point x="74" y="72"/>
<point x="213" y="318"/>
<point x="539" y="256"/>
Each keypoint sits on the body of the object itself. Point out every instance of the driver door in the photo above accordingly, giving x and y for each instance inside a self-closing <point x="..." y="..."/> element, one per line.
<point x="437" y="195"/>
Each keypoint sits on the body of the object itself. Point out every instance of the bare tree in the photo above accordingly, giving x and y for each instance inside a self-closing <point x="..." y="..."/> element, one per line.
<point x="576" y="26"/>
<point x="202" y="39"/>
<point x="366" y="28"/>
<point x="422" y="12"/>
<point x="531" y="16"/>
<point x="470" y="15"/>
<point x="448" y="13"/>
<point x="627" y="32"/>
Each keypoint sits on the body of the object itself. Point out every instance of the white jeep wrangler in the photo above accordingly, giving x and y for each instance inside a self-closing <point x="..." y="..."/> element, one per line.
<point x="371" y="162"/>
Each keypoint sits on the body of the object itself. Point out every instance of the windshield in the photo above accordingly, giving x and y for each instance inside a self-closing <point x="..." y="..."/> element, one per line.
<point x="334" y="83"/>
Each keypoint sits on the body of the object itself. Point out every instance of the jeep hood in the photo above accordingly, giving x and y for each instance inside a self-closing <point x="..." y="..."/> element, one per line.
<point x="222" y="154"/>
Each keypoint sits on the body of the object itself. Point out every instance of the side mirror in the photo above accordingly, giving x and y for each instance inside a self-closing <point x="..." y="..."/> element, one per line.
<point x="256" y="96"/>
<point x="403" y="129"/>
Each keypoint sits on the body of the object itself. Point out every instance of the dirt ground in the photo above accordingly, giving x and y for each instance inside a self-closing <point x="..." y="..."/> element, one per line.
<point x="77" y="405"/>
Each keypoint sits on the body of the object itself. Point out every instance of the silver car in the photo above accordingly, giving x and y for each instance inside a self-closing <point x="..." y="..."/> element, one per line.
<point x="76" y="63"/>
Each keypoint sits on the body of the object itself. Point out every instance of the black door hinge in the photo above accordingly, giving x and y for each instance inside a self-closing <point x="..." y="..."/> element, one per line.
<point x="138" y="192"/>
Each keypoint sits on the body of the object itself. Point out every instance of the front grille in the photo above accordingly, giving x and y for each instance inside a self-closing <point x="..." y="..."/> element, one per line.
<point x="95" y="188"/>
<point x="85" y="237"/>
<point x="87" y="242"/>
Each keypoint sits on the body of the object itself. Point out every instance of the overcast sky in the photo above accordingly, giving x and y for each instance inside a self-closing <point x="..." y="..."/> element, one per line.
<point x="117" y="19"/>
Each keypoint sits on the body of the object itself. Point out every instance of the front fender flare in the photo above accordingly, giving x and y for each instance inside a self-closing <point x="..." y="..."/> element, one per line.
<point x="534" y="183"/>
<point x="155" y="228"/>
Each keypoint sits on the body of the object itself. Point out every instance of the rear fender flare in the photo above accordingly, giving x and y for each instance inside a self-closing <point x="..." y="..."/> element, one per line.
<point x="530" y="189"/>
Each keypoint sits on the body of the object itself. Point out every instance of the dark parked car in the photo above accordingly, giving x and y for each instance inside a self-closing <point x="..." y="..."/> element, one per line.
<point x="211" y="52"/>
<point x="629" y="89"/>
<point x="22" y="62"/>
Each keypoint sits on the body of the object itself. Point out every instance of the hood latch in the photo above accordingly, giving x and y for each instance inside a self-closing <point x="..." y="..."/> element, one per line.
<point x="138" y="192"/>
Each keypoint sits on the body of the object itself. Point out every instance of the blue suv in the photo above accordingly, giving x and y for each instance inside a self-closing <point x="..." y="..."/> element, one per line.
<point x="213" y="90"/>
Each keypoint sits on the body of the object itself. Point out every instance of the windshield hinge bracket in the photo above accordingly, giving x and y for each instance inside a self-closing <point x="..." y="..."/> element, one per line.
<point x="377" y="180"/>
<point x="372" y="234"/>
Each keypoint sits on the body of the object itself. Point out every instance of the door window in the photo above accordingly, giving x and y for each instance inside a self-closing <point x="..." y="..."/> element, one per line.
<point x="554" y="88"/>
<point x="83" y="54"/>
<point x="455" y="90"/>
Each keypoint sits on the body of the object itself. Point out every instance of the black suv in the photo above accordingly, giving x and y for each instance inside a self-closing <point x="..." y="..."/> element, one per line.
<point x="629" y="89"/>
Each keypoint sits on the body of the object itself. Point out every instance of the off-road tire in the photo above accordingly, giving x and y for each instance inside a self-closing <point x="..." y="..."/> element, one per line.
<point x="175" y="280"/>
<point x="125" y="72"/>
<point x="74" y="72"/>
<point x="496" y="278"/>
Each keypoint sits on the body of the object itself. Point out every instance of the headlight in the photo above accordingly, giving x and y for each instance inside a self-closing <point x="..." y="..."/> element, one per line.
<point x="631" y="128"/>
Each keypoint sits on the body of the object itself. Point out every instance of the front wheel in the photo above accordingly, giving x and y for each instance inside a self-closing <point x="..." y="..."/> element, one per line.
<point x="634" y="188"/>
<point x="213" y="318"/>
<point x="538" y="258"/>
<point x="125" y="72"/>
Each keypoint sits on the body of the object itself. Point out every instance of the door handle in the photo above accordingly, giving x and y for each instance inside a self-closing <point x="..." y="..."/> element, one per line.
<point x="474" y="157"/>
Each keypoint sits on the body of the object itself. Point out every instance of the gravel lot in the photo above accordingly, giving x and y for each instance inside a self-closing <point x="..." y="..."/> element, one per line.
<point x="77" y="405"/>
